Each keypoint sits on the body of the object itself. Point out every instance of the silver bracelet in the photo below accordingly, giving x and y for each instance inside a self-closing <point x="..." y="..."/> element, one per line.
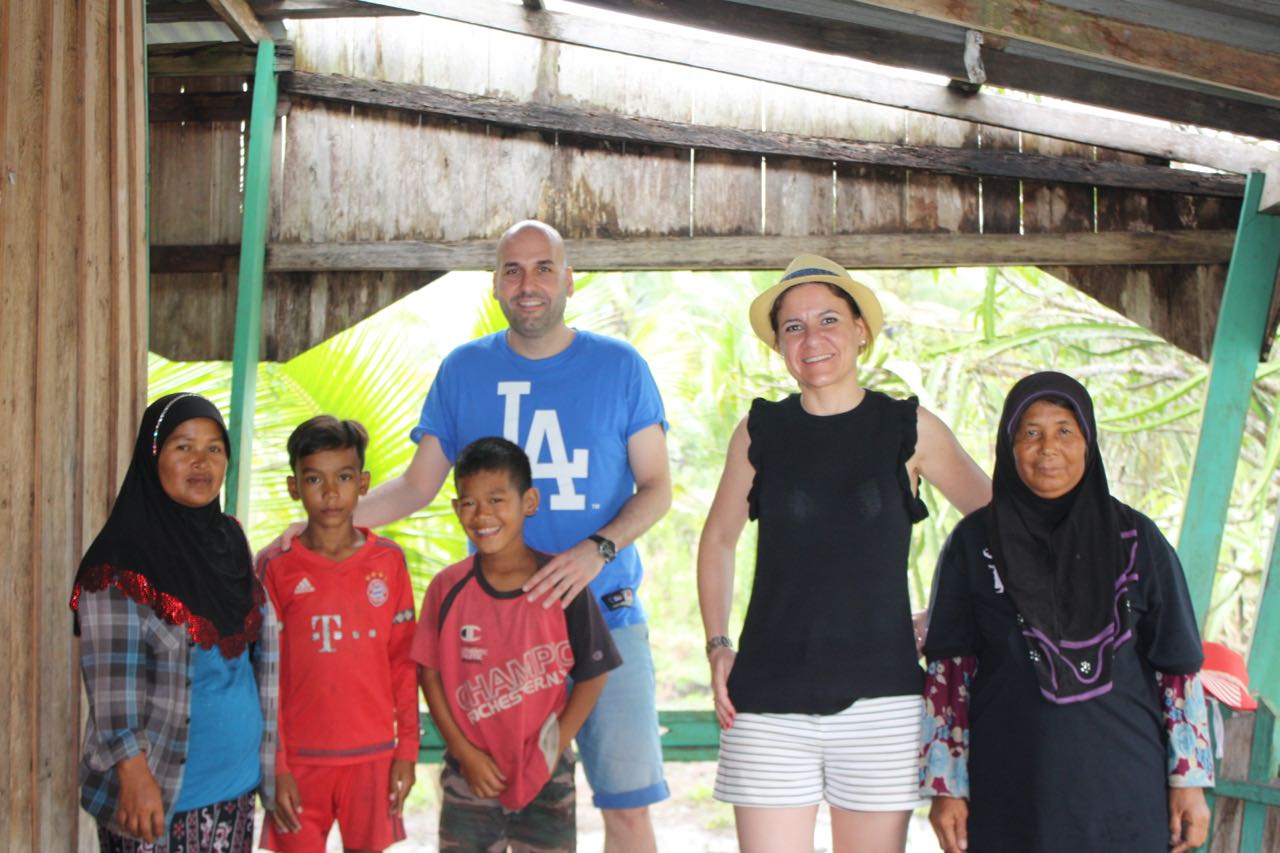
<point x="719" y="641"/>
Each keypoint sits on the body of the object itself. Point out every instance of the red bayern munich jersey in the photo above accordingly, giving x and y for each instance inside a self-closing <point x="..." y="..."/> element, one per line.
<point x="348" y="688"/>
<point x="503" y="663"/>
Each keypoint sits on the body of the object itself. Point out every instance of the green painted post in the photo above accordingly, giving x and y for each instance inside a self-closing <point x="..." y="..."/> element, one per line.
<point x="1254" y="823"/>
<point x="1264" y="663"/>
<point x="253" y="248"/>
<point x="1233" y="364"/>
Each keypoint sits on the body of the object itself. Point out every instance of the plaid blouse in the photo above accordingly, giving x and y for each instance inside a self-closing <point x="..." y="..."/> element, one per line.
<point x="137" y="671"/>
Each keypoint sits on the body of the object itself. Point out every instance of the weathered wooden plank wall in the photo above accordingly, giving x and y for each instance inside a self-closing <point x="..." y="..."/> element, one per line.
<point x="363" y="174"/>
<point x="73" y="350"/>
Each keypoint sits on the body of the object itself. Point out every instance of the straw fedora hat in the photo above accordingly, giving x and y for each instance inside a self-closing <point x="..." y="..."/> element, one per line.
<point x="808" y="269"/>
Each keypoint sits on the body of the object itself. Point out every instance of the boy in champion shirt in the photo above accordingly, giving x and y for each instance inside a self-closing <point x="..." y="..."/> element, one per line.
<point x="495" y="669"/>
<point x="348" y="702"/>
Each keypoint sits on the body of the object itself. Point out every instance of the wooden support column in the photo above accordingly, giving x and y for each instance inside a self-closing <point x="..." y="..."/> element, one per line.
<point x="1233" y="363"/>
<point x="253" y="250"/>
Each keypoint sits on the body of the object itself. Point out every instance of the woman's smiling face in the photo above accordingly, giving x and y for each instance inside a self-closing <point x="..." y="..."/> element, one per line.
<point x="193" y="463"/>
<point x="818" y="335"/>
<point x="1049" y="449"/>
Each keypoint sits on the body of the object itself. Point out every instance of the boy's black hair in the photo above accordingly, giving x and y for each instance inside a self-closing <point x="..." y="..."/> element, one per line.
<point x="325" y="432"/>
<point x="494" y="454"/>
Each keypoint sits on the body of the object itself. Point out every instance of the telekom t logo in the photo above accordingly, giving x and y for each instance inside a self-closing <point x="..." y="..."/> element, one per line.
<point x="544" y="429"/>
<point x="325" y="621"/>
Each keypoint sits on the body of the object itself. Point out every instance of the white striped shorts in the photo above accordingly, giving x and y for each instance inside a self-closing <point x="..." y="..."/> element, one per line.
<point x="865" y="758"/>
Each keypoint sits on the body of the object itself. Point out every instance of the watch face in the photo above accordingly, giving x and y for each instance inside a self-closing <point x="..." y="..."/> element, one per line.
<point x="606" y="547"/>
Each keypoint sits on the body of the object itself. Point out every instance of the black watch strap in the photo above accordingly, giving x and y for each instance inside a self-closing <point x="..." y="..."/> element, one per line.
<point x="606" y="547"/>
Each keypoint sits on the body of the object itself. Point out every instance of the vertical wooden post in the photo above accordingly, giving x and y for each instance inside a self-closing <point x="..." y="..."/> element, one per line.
<point x="1233" y="363"/>
<point x="253" y="247"/>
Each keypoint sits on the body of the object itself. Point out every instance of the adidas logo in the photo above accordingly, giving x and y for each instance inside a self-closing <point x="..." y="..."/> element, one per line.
<point x="304" y="586"/>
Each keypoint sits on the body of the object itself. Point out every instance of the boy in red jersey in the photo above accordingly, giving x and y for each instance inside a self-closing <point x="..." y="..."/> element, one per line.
<point x="348" y="701"/>
<point x="495" y="669"/>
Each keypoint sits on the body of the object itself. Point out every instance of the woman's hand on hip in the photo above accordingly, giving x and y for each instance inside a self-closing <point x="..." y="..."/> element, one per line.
<point x="721" y="660"/>
<point x="141" y="809"/>
<point x="1188" y="819"/>
<point x="949" y="817"/>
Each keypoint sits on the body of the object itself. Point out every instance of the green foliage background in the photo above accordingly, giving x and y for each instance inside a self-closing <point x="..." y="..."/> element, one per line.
<point x="957" y="339"/>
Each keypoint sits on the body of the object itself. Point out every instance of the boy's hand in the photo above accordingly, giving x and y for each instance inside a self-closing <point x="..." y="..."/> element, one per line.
<point x="288" y="804"/>
<point x="141" y="809"/>
<point x="482" y="774"/>
<point x="402" y="779"/>
<point x="565" y="575"/>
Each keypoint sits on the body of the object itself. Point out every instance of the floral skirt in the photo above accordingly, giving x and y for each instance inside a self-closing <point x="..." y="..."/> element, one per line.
<point x="225" y="827"/>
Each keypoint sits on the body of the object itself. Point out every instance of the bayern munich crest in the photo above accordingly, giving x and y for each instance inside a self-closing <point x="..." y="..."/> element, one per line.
<point x="378" y="592"/>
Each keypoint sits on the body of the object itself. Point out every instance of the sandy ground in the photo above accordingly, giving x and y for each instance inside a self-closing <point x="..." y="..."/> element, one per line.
<point x="689" y="822"/>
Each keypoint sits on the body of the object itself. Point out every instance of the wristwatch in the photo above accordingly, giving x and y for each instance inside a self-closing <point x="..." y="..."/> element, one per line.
<point x="606" y="547"/>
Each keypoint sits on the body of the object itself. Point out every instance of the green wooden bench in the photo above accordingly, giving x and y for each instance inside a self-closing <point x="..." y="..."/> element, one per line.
<point x="686" y="736"/>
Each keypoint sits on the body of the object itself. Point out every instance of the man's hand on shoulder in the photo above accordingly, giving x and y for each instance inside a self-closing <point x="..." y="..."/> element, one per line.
<point x="566" y="575"/>
<point x="284" y="541"/>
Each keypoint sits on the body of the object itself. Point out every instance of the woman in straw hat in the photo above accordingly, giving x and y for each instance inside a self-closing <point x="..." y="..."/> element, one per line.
<point x="822" y="701"/>
<point x="1063" y="712"/>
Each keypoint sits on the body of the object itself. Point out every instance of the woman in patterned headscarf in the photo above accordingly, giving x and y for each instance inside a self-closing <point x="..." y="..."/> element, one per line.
<point x="1063" y="711"/>
<point x="177" y="649"/>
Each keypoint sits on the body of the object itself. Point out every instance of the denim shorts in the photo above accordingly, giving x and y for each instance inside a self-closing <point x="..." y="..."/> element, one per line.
<point x="619" y="744"/>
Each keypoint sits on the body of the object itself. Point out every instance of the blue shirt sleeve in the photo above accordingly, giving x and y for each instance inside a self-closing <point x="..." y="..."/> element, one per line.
<point x="646" y="402"/>
<point x="438" y="416"/>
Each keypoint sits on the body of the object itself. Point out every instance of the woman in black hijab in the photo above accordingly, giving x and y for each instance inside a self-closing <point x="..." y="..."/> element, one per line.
<point x="1062" y="710"/>
<point x="177" y="649"/>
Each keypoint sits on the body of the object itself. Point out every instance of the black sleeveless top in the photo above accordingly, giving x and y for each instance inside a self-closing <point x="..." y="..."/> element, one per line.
<point x="830" y="615"/>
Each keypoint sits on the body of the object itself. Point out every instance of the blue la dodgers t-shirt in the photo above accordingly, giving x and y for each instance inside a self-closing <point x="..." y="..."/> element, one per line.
<point x="573" y="414"/>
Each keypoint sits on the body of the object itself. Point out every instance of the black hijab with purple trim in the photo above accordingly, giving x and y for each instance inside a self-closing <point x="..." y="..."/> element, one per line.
<point x="191" y="565"/>
<point x="1063" y="560"/>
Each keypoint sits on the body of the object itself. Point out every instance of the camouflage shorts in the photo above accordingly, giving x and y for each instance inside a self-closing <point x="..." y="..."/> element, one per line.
<point x="546" y="825"/>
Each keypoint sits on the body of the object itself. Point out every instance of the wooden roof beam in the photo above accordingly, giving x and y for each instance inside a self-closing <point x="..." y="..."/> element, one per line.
<point x="238" y="15"/>
<point x="885" y="47"/>
<point x="971" y="162"/>
<point x="171" y="11"/>
<point x="861" y="251"/>
<point x="1110" y="39"/>
<point x="211" y="59"/>
<point x="834" y="77"/>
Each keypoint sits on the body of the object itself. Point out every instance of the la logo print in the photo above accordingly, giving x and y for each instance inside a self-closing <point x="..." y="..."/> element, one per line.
<point x="545" y="436"/>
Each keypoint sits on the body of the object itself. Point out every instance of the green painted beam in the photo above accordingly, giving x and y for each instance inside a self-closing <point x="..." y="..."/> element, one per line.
<point x="253" y="248"/>
<point x="1233" y="363"/>
<point x="686" y="736"/>
<point x="1253" y="827"/>
<point x="1264" y="662"/>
